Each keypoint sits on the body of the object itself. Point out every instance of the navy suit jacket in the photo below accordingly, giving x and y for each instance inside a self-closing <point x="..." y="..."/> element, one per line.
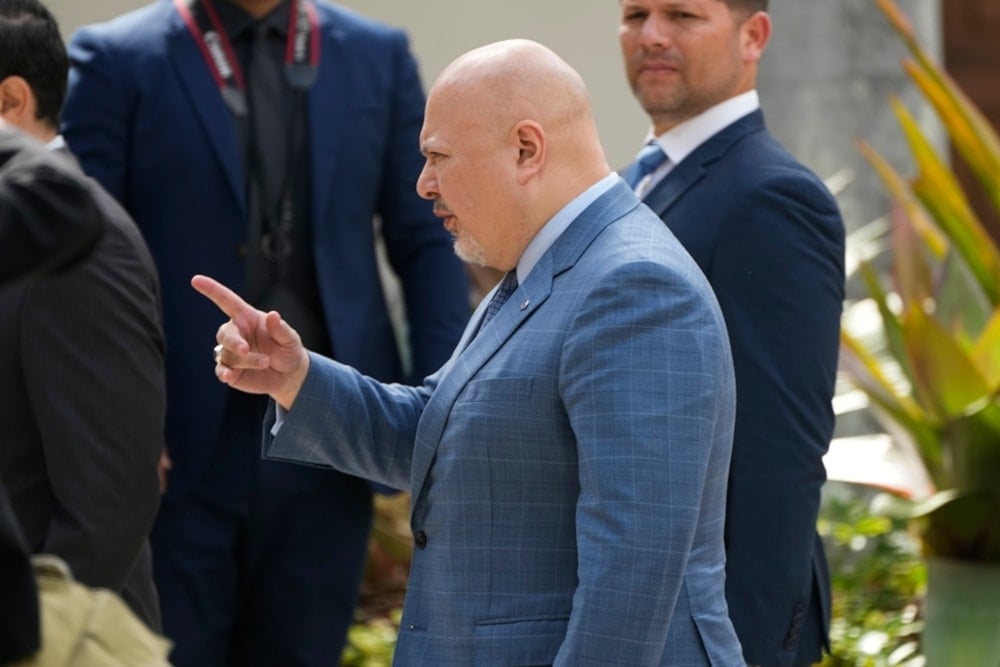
<point x="568" y="465"/>
<point x="769" y="236"/>
<point x="145" y="117"/>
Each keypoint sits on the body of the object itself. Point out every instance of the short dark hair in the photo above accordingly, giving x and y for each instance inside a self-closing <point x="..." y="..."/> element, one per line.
<point x="32" y="48"/>
<point x="747" y="6"/>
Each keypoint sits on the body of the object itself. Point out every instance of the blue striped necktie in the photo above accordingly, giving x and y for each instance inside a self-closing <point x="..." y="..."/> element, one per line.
<point x="649" y="158"/>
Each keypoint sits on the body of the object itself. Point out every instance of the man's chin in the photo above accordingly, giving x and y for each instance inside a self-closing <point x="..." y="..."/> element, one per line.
<point x="473" y="255"/>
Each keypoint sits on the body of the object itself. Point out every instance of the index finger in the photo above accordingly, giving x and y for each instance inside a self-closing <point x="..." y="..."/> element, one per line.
<point x="228" y="301"/>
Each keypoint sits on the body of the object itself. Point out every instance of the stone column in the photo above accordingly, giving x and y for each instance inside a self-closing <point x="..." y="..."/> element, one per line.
<point x="825" y="80"/>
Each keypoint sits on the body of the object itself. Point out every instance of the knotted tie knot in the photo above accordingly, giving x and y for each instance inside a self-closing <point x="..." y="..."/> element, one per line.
<point x="507" y="287"/>
<point x="648" y="160"/>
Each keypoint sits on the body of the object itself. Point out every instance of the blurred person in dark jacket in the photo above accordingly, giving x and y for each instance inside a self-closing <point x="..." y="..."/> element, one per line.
<point x="19" y="631"/>
<point x="81" y="349"/>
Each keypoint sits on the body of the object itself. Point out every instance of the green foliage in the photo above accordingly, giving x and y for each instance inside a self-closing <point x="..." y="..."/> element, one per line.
<point x="372" y="639"/>
<point x="878" y="578"/>
<point x="371" y="643"/>
<point x="937" y="381"/>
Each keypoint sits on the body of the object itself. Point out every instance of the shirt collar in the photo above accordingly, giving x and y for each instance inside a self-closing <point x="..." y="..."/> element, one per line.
<point x="236" y="21"/>
<point x="558" y="223"/>
<point x="55" y="143"/>
<point x="680" y="141"/>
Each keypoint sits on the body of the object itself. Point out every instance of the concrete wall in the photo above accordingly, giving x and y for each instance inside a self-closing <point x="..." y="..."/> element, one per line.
<point x="825" y="81"/>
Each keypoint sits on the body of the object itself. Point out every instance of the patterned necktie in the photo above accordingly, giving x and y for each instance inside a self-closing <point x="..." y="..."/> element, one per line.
<point x="507" y="287"/>
<point x="649" y="158"/>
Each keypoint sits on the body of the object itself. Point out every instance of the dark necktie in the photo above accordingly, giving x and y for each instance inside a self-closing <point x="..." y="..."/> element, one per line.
<point x="649" y="158"/>
<point x="270" y="136"/>
<point x="507" y="287"/>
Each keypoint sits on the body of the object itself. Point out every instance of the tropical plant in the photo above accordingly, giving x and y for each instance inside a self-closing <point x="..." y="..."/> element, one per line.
<point x="937" y="380"/>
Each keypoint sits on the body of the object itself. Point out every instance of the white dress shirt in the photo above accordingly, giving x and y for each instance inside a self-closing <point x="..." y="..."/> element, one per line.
<point x="680" y="141"/>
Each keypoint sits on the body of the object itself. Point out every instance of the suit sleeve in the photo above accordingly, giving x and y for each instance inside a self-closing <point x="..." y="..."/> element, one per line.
<point x="96" y="113"/>
<point x="644" y="373"/>
<point x="778" y="274"/>
<point x="347" y="421"/>
<point x="94" y="360"/>
<point x="434" y="283"/>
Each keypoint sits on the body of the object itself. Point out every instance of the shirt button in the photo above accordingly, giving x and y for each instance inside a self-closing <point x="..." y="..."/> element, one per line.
<point x="420" y="538"/>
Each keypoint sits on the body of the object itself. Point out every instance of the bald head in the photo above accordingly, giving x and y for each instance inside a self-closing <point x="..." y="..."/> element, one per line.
<point x="517" y="119"/>
<point x="515" y="80"/>
<point x="504" y="83"/>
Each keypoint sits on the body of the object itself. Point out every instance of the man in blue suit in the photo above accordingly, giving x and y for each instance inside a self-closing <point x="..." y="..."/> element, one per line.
<point x="568" y="464"/>
<point x="258" y="139"/>
<point x="769" y="236"/>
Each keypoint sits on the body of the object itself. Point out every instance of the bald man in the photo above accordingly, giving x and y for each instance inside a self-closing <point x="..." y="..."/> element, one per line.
<point x="568" y="464"/>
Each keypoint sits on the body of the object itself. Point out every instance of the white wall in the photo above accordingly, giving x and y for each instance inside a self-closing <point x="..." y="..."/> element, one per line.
<point x="583" y="32"/>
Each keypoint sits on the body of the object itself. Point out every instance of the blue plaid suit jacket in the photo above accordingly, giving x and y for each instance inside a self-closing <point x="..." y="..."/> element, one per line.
<point x="567" y="465"/>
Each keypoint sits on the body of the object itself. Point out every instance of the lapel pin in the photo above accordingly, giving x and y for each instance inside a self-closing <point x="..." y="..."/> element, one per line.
<point x="525" y="303"/>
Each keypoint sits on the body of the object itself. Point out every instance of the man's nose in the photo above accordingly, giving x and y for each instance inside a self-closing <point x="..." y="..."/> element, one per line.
<point x="426" y="186"/>
<point x="654" y="33"/>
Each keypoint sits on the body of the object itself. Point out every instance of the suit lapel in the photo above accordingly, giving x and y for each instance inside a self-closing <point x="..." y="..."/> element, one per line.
<point x="326" y="103"/>
<point x="207" y="104"/>
<point x="474" y="353"/>
<point x="474" y="350"/>
<point x="692" y="168"/>
<point x="676" y="183"/>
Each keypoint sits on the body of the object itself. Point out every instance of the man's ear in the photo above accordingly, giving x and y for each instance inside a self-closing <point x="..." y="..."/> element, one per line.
<point x="531" y="146"/>
<point x="755" y="32"/>
<point x="17" y="103"/>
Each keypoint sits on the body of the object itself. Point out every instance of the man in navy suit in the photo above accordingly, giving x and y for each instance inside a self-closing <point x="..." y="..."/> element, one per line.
<point x="568" y="464"/>
<point x="258" y="139"/>
<point x="769" y="236"/>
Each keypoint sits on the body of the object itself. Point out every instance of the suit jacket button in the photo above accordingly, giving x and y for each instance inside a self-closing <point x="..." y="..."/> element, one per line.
<point x="420" y="538"/>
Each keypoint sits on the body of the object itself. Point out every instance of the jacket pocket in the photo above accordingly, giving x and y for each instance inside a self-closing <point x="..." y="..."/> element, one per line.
<point x="515" y="389"/>
<point x="518" y="642"/>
